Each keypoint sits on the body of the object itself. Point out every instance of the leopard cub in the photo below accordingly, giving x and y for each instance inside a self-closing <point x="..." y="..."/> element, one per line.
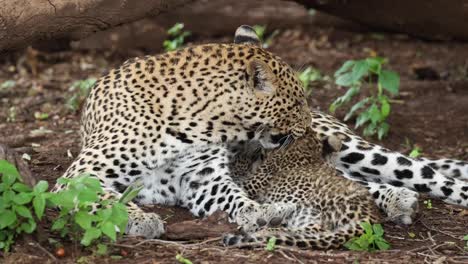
<point x="329" y="207"/>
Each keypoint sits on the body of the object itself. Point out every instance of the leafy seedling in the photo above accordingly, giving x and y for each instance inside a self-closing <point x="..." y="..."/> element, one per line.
<point x="177" y="37"/>
<point x="465" y="238"/>
<point x="271" y="244"/>
<point x="372" y="239"/>
<point x="308" y="76"/>
<point x="373" y="110"/>
<point x="266" y="39"/>
<point x="79" y="89"/>
<point x="183" y="260"/>
<point x="84" y="215"/>
<point x="20" y="205"/>
<point x="428" y="203"/>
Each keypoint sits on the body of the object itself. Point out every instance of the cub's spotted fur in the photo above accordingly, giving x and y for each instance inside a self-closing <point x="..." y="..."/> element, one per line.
<point x="168" y="121"/>
<point x="329" y="207"/>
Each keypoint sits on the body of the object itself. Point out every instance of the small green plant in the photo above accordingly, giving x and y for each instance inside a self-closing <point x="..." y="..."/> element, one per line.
<point x="183" y="260"/>
<point x="18" y="202"/>
<point x="415" y="149"/>
<point x="308" y="76"/>
<point x="465" y="238"/>
<point x="80" y="90"/>
<point x="12" y="113"/>
<point x="266" y="39"/>
<point x="177" y="37"/>
<point x="271" y="244"/>
<point x="371" y="240"/>
<point x="79" y="220"/>
<point x="353" y="74"/>
<point x="41" y="116"/>
<point x="415" y="152"/>
<point x="428" y="203"/>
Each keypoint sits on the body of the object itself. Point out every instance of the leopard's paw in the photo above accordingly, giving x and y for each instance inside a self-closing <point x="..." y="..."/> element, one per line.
<point x="402" y="207"/>
<point x="254" y="216"/>
<point x="148" y="225"/>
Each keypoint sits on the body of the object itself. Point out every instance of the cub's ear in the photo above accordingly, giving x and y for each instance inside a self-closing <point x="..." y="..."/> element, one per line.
<point x="331" y="144"/>
<point x="261" y="78"/>
<point x="246" y="34"/>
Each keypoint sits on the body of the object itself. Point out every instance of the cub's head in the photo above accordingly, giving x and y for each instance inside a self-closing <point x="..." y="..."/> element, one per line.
<point x="280" y="112"/>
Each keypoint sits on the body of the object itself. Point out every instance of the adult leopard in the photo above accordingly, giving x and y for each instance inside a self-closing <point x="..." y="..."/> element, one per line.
<point x="168" y="122"/>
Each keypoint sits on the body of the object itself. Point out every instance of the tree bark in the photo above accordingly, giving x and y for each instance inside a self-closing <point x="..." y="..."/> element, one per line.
<point x="429" y="19"/>
<point x="23" y="22"/>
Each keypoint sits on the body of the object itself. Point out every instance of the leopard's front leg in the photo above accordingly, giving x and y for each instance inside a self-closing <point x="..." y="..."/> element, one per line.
<point x="140" y="223"/>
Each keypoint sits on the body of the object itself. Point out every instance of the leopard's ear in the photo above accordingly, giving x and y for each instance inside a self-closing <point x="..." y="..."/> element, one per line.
<point x="246" y="35"/>
<point x="262" y="79"/>
<point x="331" y="144"/>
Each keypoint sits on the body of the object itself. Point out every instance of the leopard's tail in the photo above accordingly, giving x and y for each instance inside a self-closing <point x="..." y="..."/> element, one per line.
<point x="448" y="167"/>
<point x="309" y="237"/>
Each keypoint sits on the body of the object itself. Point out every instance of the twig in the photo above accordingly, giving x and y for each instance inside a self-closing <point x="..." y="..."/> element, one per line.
<point x="45" y="251"/>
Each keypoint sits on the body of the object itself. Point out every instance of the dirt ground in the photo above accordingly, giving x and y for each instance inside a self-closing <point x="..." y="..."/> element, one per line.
<point x="430" y="113"/>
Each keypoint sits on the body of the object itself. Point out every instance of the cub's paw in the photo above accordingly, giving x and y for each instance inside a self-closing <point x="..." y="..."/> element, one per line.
<point x="402" y="206"/>
<point x="148" y="225"/>
<point x="254" y="216"/>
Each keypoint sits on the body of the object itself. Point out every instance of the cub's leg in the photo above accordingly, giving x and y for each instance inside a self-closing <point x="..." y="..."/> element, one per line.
<point x="206" y="186"/>
<point x="140" y="223"/>
<point x="372" y="163"/>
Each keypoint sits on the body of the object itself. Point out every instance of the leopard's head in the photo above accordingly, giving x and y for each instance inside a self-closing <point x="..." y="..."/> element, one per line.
<point x="280" y="112"/>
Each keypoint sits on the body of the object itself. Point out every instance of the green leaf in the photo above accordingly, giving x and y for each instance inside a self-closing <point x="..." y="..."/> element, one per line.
<point x="183" y="260"/>
<point x="59" y="224"/>
<point x="375" y="64"/>
<point x="22" y="198"/>
<point x="64" y="199"/>
<point x="41" y="187"/>
<point x="22" y="211"/>
<point x="345" y="80"/>
<point x="104" y="214"/>
<point x="93" y="184"/>
<point x="39" y="205"/>
<point x="29" y="226"/>
<point x="344" y="68"/>
<point x="8" y="218"/>
<point x="382" y="244"/>
<point x="360" y="69"/>
<point x="362" y="119"/>
<point x="385" y="108"/>
<point x="271" y="244"/>
<point x="383" y="130"/>
<point x="390" y="81"/>
<point x="374" y="113"/>
<point x="131" y="192"/>
<point x="8" y="196"/>
<point x="356" y="107"/>
<point x="367" y="227"/>
<point x="9" y="172"/>
<point x="88" y="195"/>
<point x="378" y="230"/>
<point x="84" y="219"/>
<point x="20" y="187"/>
<point x="90" y="235"/>
<point x="108" y="228"/>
